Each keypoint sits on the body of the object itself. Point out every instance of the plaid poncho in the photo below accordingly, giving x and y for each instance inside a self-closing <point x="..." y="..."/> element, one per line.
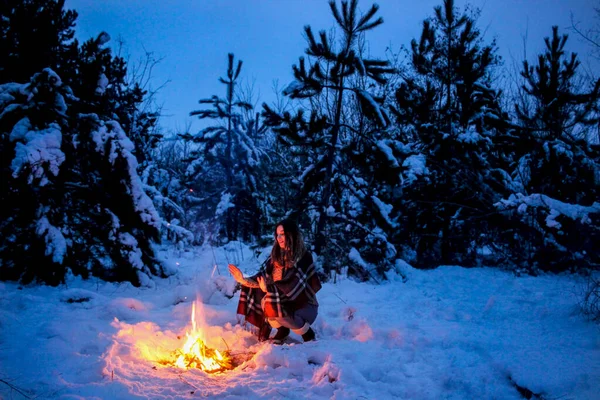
<point x="296" y="289"/>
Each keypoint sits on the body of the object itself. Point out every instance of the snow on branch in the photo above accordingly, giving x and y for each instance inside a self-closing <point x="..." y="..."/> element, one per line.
<point x="102" y="84"/>
<point x="224" y="204"/>
<point x="389" y="154"/>
<point x="120" y="146"/>
<point x="38" y="150"/>
<point x="555" y="207"/>
<point x="56" y="245"/>
<point x="293" y="87"/>
<point x="178" y="231"/>
<point x="471" y="136"/>
<point x="130" y="250"/>
<point x="415" y="167"/>
<point x="370" y="106"/>
<point x="8" y="93"/>
<point x="385" y="210"/>
<point x="355" y="256"/>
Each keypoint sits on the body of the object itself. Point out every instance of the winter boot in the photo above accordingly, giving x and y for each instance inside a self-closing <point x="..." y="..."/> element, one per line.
<point x="309" y="335"/>
<point x="264" y="331"/>
<point x="281" y="334"/>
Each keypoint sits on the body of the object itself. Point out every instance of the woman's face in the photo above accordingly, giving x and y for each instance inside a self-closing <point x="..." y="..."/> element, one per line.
<point x="280" y="236"/>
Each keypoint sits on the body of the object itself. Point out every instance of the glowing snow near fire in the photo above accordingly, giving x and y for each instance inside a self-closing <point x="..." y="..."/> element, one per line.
<point x="148" y="343"/>
<point x="461" y="333"/>
<point x="195" y="354"/>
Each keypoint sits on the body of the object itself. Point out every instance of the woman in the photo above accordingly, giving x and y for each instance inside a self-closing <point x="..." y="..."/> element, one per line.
<point x="282" y="294"/>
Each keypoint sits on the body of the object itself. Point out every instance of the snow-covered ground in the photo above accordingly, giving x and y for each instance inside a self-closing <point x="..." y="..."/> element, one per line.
<point x="448" y="333"/>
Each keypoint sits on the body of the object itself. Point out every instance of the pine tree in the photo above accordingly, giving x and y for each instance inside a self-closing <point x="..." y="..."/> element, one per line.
<point x="36" y="34"/>
<point x="165" y="177"/>
<point x="227" y="166"/>
<point x="69" y="176"/>
<point x="103" y="87"/>
<point x="556" y="165"/>
<point x="325" y="144"/>
<point x="449" y="114"/>
<point x="557" y="124"/>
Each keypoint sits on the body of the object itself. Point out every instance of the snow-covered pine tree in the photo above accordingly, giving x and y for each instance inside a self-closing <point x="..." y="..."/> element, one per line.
<point x="448" y="114"/>
<point x="103" y="86"/>
<point x="227" y="166"/>
<point x="35" y="34"/>
<point x="557" y="162"/>
<point x="32" y="121"/>
<point x="73" y="199"/>
<point x="336" y="191"/>
<point x="164" y="179"/>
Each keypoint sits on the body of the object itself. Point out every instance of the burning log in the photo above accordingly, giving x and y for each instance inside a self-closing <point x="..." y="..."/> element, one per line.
<point x="186" y="352"/>
<point x="195" y="354"/>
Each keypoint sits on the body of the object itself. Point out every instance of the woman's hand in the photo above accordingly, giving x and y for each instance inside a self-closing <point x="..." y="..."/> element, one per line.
<point x="262" y="284"/>
<point x="237" y="274"/>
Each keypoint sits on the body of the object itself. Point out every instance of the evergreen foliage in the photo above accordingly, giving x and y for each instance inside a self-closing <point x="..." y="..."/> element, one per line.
<point x="164" y="180"/>
<point x="349" y="222"/>
<point x="227" y="167"/>
<point x="556" y="163"/>
<point x="379" y="165"/>
<point x="449" y="115"/>
<point x="74" y="202"/>
<point x="36" y="34"/>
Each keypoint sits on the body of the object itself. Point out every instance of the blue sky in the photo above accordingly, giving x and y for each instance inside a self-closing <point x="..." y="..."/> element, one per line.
<point x="194" y="36"/>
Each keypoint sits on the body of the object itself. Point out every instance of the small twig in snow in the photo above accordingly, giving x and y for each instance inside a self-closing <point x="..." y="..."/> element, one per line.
<point x="225" y="343"/>
<point x="340" y="298"/>
<point x="16" y="389"/>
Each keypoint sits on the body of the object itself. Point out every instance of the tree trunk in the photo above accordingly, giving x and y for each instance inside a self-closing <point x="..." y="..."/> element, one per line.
<point x="320" y="236"/>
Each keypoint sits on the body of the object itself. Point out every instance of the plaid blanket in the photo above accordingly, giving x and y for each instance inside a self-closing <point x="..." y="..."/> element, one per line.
<point x="296" y="289"/>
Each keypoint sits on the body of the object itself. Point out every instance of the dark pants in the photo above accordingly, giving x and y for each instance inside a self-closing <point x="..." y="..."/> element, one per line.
<point x="299" y="322"/>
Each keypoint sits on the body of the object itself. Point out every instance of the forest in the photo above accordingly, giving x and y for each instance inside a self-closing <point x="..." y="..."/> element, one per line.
<point x="426" y="158"/>
<point x="449" y="203"/>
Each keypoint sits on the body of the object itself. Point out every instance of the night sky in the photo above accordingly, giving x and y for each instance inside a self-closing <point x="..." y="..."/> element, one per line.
<point x="194" y="36"/>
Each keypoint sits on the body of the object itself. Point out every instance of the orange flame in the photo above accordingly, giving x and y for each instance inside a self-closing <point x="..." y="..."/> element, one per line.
<point x="195" y="354"/>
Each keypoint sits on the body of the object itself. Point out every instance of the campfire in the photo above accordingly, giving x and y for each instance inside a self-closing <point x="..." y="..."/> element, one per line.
<point x="198" y="347"/>
<point x="149" y="343"/>
<point x="195" y="354"/>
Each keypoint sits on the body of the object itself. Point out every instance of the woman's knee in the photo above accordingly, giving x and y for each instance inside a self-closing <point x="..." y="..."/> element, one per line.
<point x="308" y="314"/>
<point x="287" y="322"/>
<point x="274" y="322"/>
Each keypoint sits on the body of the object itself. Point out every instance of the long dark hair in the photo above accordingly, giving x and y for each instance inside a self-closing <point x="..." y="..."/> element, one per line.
<point x="294" y="244"/>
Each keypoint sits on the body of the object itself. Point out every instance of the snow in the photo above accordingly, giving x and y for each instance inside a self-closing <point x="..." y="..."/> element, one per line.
<point x="385" y="210"/>
<point x="56" y="245"/>
<point x="293" y="87"/>
<point x="20" y="130"/>
<point x="560" y="148"/>
<point x="389" y="154"/>
<point x="470" y="136"/>
<point x="178" y="231"/>
<point x="354" y="256"/>
<point x="36" y="150"/>
<point x="8" y="91"/>
<point x="309" y="169"/>
<point x="376" y="107"/>
<point x="224" y="204"/>
<point x="556" y="207"/>
<point x="354" y="207"/>
<point x="131" y="250"/>
<point x="103" y="38"/>
<point x="102" y="84"/>
<point x="450" y="333"/>
<point x="523" y="173"/>
<point x="53" y="77"/>
<point x="415" y="166"/>
<point x="121" y="147"/>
